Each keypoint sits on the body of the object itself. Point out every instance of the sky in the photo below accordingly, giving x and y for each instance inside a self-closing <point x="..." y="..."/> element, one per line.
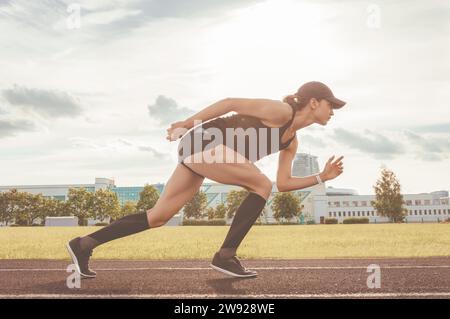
<point x="88" y="88"/>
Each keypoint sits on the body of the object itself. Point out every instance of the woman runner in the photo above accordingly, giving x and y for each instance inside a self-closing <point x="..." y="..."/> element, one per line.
<point x="224" y="150"/>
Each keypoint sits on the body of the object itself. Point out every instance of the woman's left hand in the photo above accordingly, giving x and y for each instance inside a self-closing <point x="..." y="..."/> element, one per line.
<point x="176" y="130"/>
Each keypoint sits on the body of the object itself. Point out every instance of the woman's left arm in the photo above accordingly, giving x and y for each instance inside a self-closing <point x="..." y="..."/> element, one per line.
<point x="286" y="182"/>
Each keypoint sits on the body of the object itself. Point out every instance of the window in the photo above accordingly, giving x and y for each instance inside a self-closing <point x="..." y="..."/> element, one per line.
<point x="354" y="214"/>
<point x="329" y="214"/>
<point x="408" y="203"/>
<point x="434" y="211"/>
<point x="417" y="202"/>
<point x="415" y="213"/>
<point x="355" y="203"/>
<point x="363" y="213"/>
<point x="364" y="203"/>
<point x="373" y="213"/>
<point x="337" y="204"/>
<point x="359" y="214"/>
<point x="427" y="202"/>
<point x="343" y="214"/>
<point x="439" y="211"/>
<point x="334" y="214"/>
<point x="339" y="213"/>
<point x="346" y="204"/>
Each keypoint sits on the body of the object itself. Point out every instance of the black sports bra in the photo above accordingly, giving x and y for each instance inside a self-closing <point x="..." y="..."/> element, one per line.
<point x="253" y="149"/>
<point x="246" y="121"/>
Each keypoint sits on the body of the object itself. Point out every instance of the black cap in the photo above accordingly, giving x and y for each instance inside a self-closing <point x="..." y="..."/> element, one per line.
<point x="319" y="91"/>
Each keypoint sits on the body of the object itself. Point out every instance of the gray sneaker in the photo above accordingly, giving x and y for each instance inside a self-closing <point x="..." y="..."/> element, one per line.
<point x="231" y="266"/>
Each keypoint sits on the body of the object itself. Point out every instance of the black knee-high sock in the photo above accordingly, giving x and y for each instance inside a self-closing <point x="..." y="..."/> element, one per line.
<point x="122" y="227"/>
<point x="245" y="217"/>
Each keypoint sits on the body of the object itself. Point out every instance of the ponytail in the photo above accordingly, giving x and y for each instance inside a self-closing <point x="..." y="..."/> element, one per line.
<point x="295" y="101"/>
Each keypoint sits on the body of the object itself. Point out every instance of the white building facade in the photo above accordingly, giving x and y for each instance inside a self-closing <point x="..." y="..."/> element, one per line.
<point x="421" y="208"/>
<point x="318" y="202"/>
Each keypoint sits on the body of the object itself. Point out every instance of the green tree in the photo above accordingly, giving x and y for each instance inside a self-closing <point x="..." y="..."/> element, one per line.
<point x="220" y="211"/>
<point x="388" y="199"/>
<point x="210" y="212"/>
<point x="147" y="198"/>
<point x="21" y="206"/>
<point x="127" y="209"/>
<point x="262" y="218"/>
<point x="285" y="206"/>
<point x="80" y="204"/>
<point x="6" y="207"/>
<point x="105" y="204"/>
<point x="52" y="208"/>
<point x="14" y="204"/>
<point x="234" y="200"/>
<point x="56" y="207"/>
<point x="196" y="207"/>
<point x="35" y="208"/>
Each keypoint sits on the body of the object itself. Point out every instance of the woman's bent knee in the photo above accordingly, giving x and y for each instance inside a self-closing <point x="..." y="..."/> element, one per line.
<point x="263" y="187"/>
<point x="155" y="221"/>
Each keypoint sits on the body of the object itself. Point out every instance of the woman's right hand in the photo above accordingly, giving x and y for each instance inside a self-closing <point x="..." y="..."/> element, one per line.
<point x="177" y="130"/>
<point x="332" y="169"/>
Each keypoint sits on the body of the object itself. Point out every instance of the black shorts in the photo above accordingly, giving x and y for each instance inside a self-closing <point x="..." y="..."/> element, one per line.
<point x="196" y="140"/>
<point x="246" y="135"/>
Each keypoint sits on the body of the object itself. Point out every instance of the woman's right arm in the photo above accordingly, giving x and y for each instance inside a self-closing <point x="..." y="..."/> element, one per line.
<point x="214" y="110"/>
<point x="273" y="111"/>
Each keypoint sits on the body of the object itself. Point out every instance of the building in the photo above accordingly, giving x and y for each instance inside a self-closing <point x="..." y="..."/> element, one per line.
<point x="341" y="204"/>
<point x="305" y="165"/>
<point x="60" y="192"/>
<point x="318" y="201"/>
<point x="215" y="193"/>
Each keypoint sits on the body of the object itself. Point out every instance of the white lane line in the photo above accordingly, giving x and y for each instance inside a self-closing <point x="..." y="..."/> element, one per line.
<point x="259" y="296"/>
<point x="208" y="268"/>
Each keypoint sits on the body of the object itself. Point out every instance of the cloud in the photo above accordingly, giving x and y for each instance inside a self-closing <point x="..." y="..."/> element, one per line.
<point x="52" y="104"/>
<point x="140" y="12"/>
<point x="38" y="15"/>
<point x="117" y="145"/>
<point x="125" y="142"/>
<point x="109" y="19"/>
<point x="375" y="144"/>
<point x="429" y="148"/>
<point x="433" y="128"/>
<point x="426" y="148"/>
<point x="154" y="152"/>
<point x="166" y="110"/>
<point x="311" y="141"/>
<point x="11" y="127"/>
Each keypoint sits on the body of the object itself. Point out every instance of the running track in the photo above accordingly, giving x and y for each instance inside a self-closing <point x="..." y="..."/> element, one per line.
<point x="329" y="278"/>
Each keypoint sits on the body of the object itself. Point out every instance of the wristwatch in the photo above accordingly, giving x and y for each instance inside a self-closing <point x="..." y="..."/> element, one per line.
<point x="319" y="180"/>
